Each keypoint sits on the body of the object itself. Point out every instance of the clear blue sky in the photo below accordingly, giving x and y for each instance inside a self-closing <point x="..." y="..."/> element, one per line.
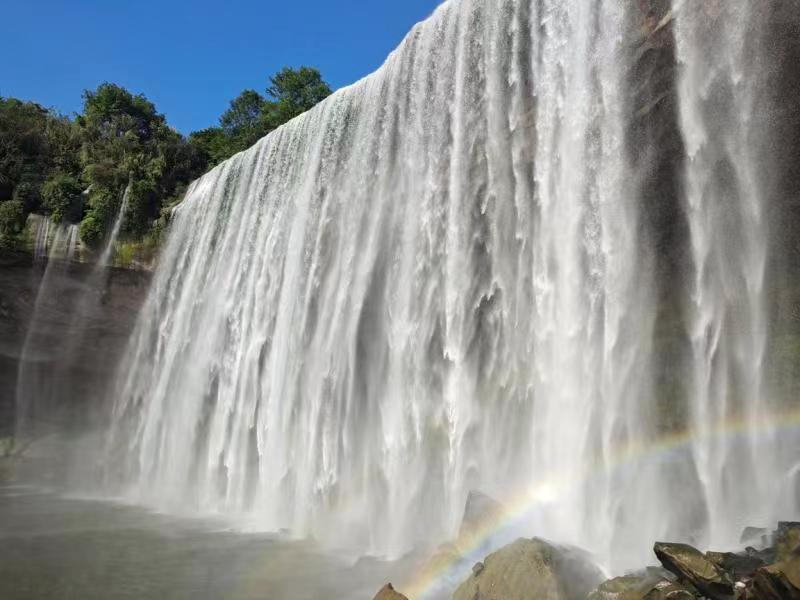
<point x="191" y="57"/>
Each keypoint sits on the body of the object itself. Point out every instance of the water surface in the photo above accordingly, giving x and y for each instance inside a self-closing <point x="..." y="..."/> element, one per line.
<point x="64" y="547"/>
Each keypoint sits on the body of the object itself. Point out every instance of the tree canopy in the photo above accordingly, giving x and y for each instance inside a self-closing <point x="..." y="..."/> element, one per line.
<point x="251" y="116"/>
<point x="78" y="169"/>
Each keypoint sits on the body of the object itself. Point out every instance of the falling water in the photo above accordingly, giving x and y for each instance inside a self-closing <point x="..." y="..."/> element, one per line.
<point x="440" y="280"/>
<point x="49" y="352"/>
<point x="53" y="241"/>
<point x="55" y="246"/>
<point x="40" y="239"/>
<point x="111" y="240"/>
<point x="725" y="120"/>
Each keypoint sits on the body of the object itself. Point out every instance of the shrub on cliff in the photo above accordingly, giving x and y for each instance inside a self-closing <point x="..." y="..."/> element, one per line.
<point x="12" y="222"/>
<point x="61" y="197"/>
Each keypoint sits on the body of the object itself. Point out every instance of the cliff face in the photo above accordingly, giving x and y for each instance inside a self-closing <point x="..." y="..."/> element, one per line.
<point x="67" y="357"/>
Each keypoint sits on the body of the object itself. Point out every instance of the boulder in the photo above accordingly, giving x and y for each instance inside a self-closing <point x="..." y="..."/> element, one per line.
<point x="690" y="565"/>
<point x="739" y="566"/>
<point x="669" y="590"/>
<point x="389" y="593"/>
<point x="787" y="540"/>
<point x="532" y="568"/>
<point x="649" y="585"/>
<point x="780" y="581"/>
<point x="629" y="587"/>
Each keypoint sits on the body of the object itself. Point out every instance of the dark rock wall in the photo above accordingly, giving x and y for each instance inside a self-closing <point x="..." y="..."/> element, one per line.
<point x="97" y="342"/>
<point x="658" y="155"/>
<point x="783" y="100"/>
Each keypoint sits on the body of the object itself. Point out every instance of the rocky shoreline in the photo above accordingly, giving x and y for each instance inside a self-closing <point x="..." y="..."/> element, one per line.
<point x="768" y="568"/>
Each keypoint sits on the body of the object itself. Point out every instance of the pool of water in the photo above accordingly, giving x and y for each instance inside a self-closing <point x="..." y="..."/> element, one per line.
<point x="55" y="546"/>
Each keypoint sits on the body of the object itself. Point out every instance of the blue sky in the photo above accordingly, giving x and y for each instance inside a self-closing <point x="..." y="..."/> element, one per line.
<point x="191" y="58"/>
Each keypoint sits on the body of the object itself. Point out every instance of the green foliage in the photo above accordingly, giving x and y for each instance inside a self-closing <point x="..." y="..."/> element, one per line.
<point x="242" y="123"/>
<point x="114" y="112"/>
<point x="142" y="207"/>
<point x="28" y="193"/>
<point x="64" y="144"/>
<point x="294" y="91"/>
<point x="128" y="144"/>
<point x="61" y="197"/>
<point x="12" y="223"/>
<point x="126" y="254"/>
<point x="91" y="230"/>
<point x="212" y="144"/>
<point x="23" y="144"/>
<point x="251" y="116"/>
<point x="120" y="141"/>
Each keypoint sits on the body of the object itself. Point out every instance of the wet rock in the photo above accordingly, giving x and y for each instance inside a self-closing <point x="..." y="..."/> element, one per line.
<point x="529" y="569"/>
<point x="691" y="566"/>
<point x="629" y="587"/>
<point x="787" y="540"/>
<point x="478" y="569"/>
<point x="650" y="585"/>
<point x="739" y="566"/>
<point x="389" y="593"/>
<point x="669" y="590"/>
<point x="780" y="581"/>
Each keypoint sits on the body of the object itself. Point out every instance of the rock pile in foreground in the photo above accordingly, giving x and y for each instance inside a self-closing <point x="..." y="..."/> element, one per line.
<point x="533" y="569"/>
<point x="771" y="573"/>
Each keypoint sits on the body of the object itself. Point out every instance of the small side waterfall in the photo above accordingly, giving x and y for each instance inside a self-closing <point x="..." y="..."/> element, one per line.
<point x="111" y="241"/>
<point x="57" y="241"/>
<point x="55" y="248"/>
<point x="42" y="398"/>
<point x="444" y="279"/>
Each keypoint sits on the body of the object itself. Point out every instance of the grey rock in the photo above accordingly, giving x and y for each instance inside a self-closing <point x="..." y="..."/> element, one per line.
<point x="690" y="565"/>
<point x="532" y="568"/>
<point x="389" y="593"/>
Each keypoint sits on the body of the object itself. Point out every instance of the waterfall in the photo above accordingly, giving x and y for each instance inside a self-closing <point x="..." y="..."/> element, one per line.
<point x="55" y="247"/>
<point x="726" y="123"/>
<point x="49" y="353"/>
<point x="441" y="279"/>
<point x="111" y="240"/>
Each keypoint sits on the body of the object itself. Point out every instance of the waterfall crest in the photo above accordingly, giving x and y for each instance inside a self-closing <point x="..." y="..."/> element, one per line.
<point x="441" y="279"/>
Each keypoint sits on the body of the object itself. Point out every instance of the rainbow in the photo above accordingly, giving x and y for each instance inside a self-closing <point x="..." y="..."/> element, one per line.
<point x="439" y="573"/>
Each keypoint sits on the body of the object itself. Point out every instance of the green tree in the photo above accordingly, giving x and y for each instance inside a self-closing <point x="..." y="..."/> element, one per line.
<point x="213" y="145"/>
<point x="12" y="223"/>
<point x="126" y="143"/>
<point x="51" y="164"/>
<point x="293" y="92"/>
<point x="250" y="116"/>
<point x="23" y="148"/>
<point x="61" y="197"/>
<point x="242" y="122"/>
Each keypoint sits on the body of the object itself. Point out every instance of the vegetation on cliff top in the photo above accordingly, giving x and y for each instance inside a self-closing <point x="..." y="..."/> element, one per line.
<point x="77" y="169"/>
